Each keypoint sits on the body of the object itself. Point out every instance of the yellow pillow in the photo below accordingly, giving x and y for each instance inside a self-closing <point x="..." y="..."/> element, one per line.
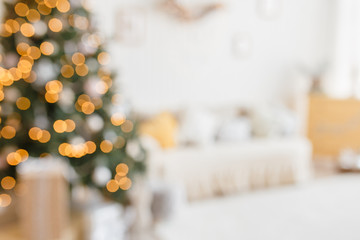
<point x="163" y="127"/>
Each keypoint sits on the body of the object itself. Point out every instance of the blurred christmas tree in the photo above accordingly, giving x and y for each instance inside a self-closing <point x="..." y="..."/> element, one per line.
<point x="57" y="97"/>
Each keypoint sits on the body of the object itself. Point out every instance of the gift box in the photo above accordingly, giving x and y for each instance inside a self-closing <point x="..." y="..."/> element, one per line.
<point x="44" y="201"/>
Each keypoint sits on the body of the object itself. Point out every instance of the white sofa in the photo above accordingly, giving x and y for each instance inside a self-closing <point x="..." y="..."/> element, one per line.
<point x="229" y="167"/>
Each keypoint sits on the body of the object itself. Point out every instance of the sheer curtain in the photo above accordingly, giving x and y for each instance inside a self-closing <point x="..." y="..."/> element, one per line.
<point x="343" y="77"/>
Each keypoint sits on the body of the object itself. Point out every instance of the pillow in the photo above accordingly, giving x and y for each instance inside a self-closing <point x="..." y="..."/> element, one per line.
<point x="163" y="127"/>
<point x="198" y="127"/>
<point x="237" y="129"/>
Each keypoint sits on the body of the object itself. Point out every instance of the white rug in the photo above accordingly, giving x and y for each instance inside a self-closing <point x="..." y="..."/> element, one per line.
<point x="326" y="209"/>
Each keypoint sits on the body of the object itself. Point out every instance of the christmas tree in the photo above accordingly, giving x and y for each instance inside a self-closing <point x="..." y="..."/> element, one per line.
<point x="57" y="98"/>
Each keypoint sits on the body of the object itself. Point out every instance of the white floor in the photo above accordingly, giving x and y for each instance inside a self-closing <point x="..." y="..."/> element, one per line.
<point x="327" y="208"/>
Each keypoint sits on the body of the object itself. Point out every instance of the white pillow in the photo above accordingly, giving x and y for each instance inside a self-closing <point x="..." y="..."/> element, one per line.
<point x="237" y="129"/>
<point x="197" y="126"/>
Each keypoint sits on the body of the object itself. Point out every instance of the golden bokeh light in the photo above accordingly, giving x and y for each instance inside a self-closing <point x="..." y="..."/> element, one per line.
<point x="23" y="103"/>
<point x="125" y="183"/>
<point x="127" y="126"/>
<point x="120" y="142"/>
<point x="55" y="25"/>
<point x="27" y="30"/>
<point x="30" y="77"/>
<point x="104" y="58"/>
<point x="106" y="146"/>
<point x="12" y="25"/>
<point x="91" y="147"/>
<point x="88" y="108"/>
<point x="54" y="87"/>
<point x="13" y="158"/>
<point x="34" y="52"/>
<point x="50" y="3"/>
<point x="8" y="183"/>
<point x="21" y="9"/>
<point x="122" y="169"/>
<point x="43" y="9"/>
<point x="24" y="154"/>
<point x="117" y="119"/>
<point x="78" y="58"/>
<point x="33" y="15"/>
<point x="59" y="126"/>
<point x="47" y="48"/>
<point x="112" y="186"/>
<point x="62" y="148"/>
<point x="8" y="132"/>
<point x="70" y="125"/>
<point x="45" y="136"/>
<point x="5" y="200"/>
<point x="16" y="73"/>
<point x="101" y="87"/>
<point x="24" y="65"/>
<point x="51" y="98"/>
<point x="33" y="133"/>
<point x="67" y="71"/>
<point x="1" y="97"/>
<point x="82" y="70"/>
<point x="63" y="6"/>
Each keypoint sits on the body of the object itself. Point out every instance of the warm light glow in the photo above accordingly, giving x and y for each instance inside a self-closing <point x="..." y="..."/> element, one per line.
<point x="12" y="26"/>
<point x="5" y="200"/>
<point x="122" y="169"/>
<point x="30" y="78"/>
<point x="82" y="70"/>
<point x="120" y="142"/>
<point x="34" y="52"/>
<point x="27" y="30"/>
<point x="67" y="71"/>
<point x="50" y="3"/>
<point x="88" y="108"/>
<point x="70" y="125"/>
<point x="55" y="25"/>
<point x="63" y="6"/>
<point x="91" y="147"/>
<point x="8" y="132"/>
<point x="33" y="15"/>
<point x="78" y="58"/>
<point x="51" y="98"/>
<point x="43" y="9"/>
<point x="125" y="183"/>
<point x="13" y="159"/>
<point x="112" y="186"/>
<point x="101" y="87"/>
<point x="24" y="154"/>
<point x="24" y="65"/>
<point x="106" y="146"/>
<point x="8" y="183"/>
<point x="16" y="73"/>
<point x="47" y="48"/>
<point x="23" y="103"/>
<point x="62" y="148"/>
<point x="117" y="119"/>
<point x="45" y="136"/>
<point x="127" y="126"/>
<point x="59" y="126"/>
<point x="54" y="87"/>
<point x="33" y="133"/>
<point x="21" y="9"/>
<point x="104" y="58"/>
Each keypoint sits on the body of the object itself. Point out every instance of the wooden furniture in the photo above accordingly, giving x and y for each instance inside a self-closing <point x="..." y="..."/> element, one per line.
<point x="334" y="124"/>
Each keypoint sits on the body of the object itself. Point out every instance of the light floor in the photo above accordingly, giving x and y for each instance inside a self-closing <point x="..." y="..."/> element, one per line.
<point x="328" y="208"/>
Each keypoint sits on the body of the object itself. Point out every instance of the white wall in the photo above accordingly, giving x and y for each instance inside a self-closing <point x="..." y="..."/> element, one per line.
<point x="192" y="63"/>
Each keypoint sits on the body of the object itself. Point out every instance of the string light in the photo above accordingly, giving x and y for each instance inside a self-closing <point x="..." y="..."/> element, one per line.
<point x="63" y="6"/>
<point x="8" y="183"/>
<point x="5" y="200"/>
<point x="33" y="15"/>
<point x="127" y="126"/>
<point x="34" y="52"/>
<point x="55" y="25"/>
<point x="106" y="146"/>
<point x="117" y="119"/>
<point x="51" y="3"/>
<point x="122" y="169"/>
<point x="23" y="103"/>
<point x="51" y="98"/>
<point x="21" y="9"/>
<point x="27" y="30"/>
<point x="112" y="186"/>
<point x="67" y="71"/>
<point x="47" y="48"/>
<point x="104" y="58"/>
<point x="78" y="58"/>
<point x="43" y="9"/>
<point x="8" y="132"/>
